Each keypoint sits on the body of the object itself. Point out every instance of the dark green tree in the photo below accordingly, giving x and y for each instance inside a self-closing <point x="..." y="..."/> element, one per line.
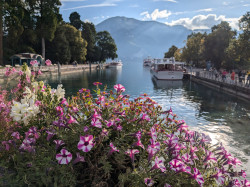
<point x="193" y="51"/>
<point x="170" y="52"/>
<point x="105" y="46"/>
<point x="89" y="34"/>
<point x="217" y="42"/>
<point x="75" y="20"/>
<point x="77" y="44"/>
<point x="46" y="13"/>
<point x="59" y="49"/>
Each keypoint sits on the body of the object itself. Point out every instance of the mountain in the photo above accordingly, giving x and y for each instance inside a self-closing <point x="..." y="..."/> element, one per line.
<point x="139" y="39"/>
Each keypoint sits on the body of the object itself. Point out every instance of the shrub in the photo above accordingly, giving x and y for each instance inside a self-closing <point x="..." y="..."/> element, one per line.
<point x="104" y="139"/>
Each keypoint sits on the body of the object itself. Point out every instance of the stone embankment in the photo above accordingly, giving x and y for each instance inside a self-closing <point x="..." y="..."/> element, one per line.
<point x="54" y="69"/>
<point x="233" y="87"/>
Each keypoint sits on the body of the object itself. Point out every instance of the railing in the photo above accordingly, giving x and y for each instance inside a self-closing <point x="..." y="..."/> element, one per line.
<point x="216" y="76"/>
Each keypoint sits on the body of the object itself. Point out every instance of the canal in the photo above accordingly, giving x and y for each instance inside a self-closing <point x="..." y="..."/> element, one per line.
<point x="223" y="117"/>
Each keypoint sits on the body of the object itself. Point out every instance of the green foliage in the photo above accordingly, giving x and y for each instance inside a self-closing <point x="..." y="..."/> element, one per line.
<point x="75" y="20"/>
<point x="171" y="52"/>
<point x="106" y="47"/>
<point x="89" y="34"/>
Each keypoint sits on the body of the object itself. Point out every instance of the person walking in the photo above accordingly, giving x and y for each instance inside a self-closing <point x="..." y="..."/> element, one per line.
<point x="240" y="77"/>
<point x="232" y="77"/>
<point x="224" y="73"/>
<point x="248" y="79"/>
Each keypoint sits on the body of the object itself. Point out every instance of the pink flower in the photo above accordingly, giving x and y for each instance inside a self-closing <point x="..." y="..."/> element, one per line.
<point x="71" y="120"/>
<point x="131" y="153"/>
<point x="167" y="185"/>
<point x="153" y="149"/>
<point x="97" y="83"/>
<point x="119" y="88"/>
<point x="48" y="62"/>
<point x="148" y="182"/>
<point x="96" y="123"/>
<point x="86" y="143"/>
<point x="64" y="157"/>
<point x="85" y="129"/>
<point x="39" y="72"/>
<point x="145" y="117"/>
<point x="59" y="110"/>
<point x="64" y="102"/>
<point x="58" y="143"/>
<point x="159" y="165"/>
<point x="79" y="158"/>
<point x="113" y="148"/>
<point x="176" y="165"/>
<point x="187" y="159"/>
<point x="236" y="183"/>
<point x="50" y="135"/>
<point x="198" y="177"/>
<point x="16" y="135"/>
<point x="220" y="179"/>
<point x="245" y="183"/>
<point x="33" y="62"/>
<point x="210" y="157"/>
<point x="104" y="132"/>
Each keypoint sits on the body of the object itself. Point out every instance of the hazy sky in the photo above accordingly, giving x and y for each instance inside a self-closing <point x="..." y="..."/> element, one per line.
<point x="193" y="14"/>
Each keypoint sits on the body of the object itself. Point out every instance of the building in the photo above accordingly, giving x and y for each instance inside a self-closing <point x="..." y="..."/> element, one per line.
<point x="20" y="59"/>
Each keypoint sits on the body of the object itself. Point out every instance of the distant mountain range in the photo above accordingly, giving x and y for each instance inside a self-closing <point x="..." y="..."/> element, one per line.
<point x="139" y="39"/>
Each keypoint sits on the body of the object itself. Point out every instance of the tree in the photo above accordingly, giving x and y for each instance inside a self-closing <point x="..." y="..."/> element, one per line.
<point x="105" y="46"/>
<point x="46" y="12"/>
<point x="89" y="34"/>
<point x="75" y="20"/>
<point x="77" y="44"/>
<point x="1" y="33"/>
<point x="171" y="51"/>
<point x="59" y="49"/>
<point x="193" y="51"/>
<point x="217" y="42"/>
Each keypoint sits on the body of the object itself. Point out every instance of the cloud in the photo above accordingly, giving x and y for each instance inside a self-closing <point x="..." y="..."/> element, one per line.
<point x="156" y="14"/>
<point x="91" y="6"/>
<point x="225" y="3"/>
<point x="246" y="5"/>
<point x="204" y="21"/>
<point x="173" y="1"/>
<point x="204" y="10"/>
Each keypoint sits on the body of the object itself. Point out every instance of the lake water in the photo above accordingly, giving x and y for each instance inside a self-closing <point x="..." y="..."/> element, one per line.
<point x="223" y="117"/>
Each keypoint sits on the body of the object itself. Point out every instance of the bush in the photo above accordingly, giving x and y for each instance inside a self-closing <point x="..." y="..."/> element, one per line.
<point x="104" y="139"/>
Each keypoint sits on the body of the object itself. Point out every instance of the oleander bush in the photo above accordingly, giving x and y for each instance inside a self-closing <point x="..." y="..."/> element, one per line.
<point x="102" y="138"/>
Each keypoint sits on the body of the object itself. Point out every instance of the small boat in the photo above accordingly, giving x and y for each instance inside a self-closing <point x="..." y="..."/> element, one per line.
<point x="167" y="69"/>
<point x="148" y="61"/>
<point x="115" y="64"/>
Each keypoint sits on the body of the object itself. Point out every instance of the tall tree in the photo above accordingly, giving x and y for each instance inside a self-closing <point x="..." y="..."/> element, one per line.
<point x="89" y="34"/>
<point x="193" y="51"/>
<point x="217" y="42"/>
<point x="47" y="15"/>
<point x="105" y="46"/>
<point x="171" y="51"/>
<point x="75" y="20"/>
<point x="76" y="43"/>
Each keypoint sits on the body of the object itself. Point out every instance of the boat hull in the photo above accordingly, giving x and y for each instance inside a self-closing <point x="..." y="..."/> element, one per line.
<point x="168" y="75"/>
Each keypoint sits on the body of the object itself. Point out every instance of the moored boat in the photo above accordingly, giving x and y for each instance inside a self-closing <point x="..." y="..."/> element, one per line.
<point x="167" y="69"/>
<point x="148" y="61"/>
<point x="115" y="64"/>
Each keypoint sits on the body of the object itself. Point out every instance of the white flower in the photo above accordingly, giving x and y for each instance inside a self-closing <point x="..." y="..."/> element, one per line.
<point x="35" y="86"/>
<point x="60" y="92"/>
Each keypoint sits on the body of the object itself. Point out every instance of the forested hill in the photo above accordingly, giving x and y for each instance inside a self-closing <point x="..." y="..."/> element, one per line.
<point x="136" y="38"/>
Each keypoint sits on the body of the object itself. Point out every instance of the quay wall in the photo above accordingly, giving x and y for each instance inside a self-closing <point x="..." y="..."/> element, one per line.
<point x="233" y="89"/>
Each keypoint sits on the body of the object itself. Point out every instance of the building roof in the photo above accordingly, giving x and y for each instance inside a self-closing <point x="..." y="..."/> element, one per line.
<point x="26" y="56"/>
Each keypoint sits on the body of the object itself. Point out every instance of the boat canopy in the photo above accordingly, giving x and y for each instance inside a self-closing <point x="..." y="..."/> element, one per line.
<point x="167" y="61"/>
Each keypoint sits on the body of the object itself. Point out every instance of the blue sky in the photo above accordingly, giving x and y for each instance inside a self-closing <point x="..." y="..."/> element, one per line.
<point x="193" y="14"/>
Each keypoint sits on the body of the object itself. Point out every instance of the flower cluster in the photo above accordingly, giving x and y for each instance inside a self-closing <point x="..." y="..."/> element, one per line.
<point x="106" y="140"/>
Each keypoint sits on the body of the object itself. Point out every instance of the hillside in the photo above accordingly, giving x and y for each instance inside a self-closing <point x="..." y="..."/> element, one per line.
<point x="139" y="39"/>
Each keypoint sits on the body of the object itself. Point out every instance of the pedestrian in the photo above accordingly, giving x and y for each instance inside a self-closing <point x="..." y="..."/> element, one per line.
<point x="232" y="77"/>
<point x="224" y="73"/>
<point x="248" y="78"/>
<point x="240" y="77"/>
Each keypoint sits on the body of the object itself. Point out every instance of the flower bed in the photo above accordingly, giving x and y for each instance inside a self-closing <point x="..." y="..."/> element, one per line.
<point x="106" y="140"/>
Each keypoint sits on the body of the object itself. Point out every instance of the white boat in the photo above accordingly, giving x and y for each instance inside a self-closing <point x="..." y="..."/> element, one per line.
<point x="148" y="61"/>
<point x="115" y="64"/>
<point x="167" y="69"/>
